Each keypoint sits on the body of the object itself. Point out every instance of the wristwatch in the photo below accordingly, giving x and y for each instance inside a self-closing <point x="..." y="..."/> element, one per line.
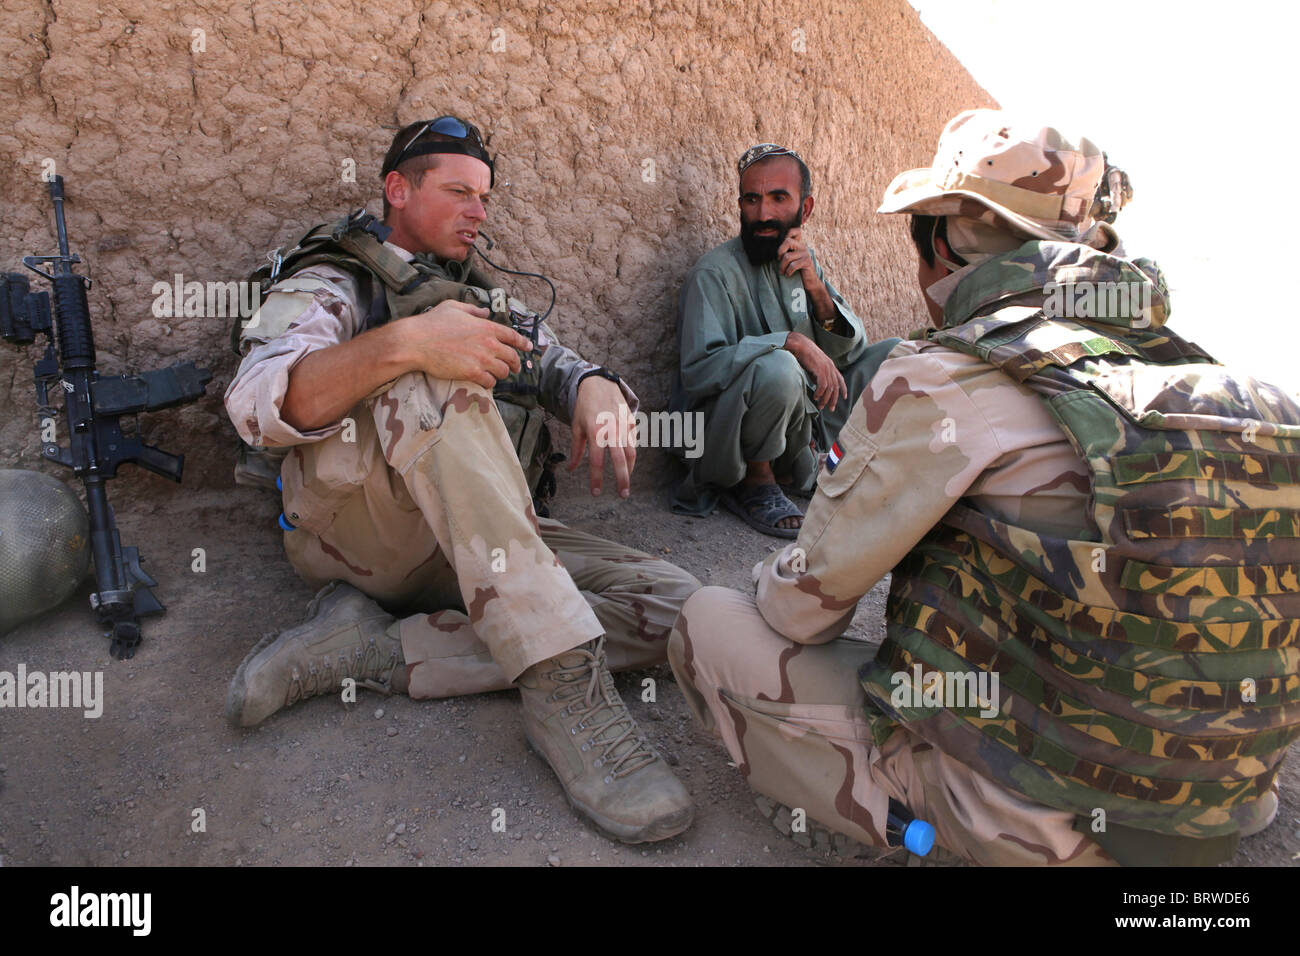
<point x="603" y="373"/>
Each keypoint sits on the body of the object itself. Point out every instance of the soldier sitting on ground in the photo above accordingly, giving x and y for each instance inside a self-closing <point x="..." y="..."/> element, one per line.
<point x="374" y="360"/>
<point x="1093" y="531"/>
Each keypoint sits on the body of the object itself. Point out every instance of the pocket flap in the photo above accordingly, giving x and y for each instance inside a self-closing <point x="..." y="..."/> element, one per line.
<point x="845" y="462"/>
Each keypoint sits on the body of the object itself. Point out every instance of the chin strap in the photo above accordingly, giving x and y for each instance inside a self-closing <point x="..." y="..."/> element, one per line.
<point x="946" y="263"/>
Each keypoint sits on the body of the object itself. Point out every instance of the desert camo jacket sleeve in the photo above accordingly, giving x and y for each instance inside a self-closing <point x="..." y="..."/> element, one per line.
<point x="933" y="426"/>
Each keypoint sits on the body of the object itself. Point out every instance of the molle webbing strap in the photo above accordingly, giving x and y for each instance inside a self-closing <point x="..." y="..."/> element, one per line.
<point x="1258" y="468"/>
<point x="1143" y="742"/>
<point x="1209" y="580"/>
<point x="1197" y="521"/>
<point x="1098" y="658"/>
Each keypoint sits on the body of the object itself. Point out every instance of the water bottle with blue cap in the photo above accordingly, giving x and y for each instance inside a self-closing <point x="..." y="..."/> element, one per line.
<point x="903" y="829"/>
<point x="282" y="521"/>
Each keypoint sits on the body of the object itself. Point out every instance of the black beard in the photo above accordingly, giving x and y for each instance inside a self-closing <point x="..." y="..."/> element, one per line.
<point x="761" y="249"/>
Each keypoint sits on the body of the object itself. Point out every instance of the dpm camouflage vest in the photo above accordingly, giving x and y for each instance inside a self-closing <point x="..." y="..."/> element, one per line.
<point x="1150" y="667"/>
<point x="389" y="286"/>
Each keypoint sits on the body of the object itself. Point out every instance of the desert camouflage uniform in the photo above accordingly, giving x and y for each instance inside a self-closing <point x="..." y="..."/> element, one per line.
<point x="938" y="433"/>
<point x="417" y="498"/>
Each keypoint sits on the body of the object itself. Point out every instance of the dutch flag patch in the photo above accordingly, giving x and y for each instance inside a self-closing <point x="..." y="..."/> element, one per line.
<point x="833" y="457"/>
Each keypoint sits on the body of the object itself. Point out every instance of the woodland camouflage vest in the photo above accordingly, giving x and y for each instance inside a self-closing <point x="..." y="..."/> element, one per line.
<point x="1149" y="667"/>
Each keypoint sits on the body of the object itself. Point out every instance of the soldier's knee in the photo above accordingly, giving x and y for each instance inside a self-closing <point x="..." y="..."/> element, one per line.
<point x="684" y="653"/>
<point x="466" y="396"/>
<point x="705" y="599"/>
<point x="418" y="412"/>
<point x="688" y="680"/>
<point x="416" y="391"/>
<point x="696" y="623"/>
<point x="674" y="581"/>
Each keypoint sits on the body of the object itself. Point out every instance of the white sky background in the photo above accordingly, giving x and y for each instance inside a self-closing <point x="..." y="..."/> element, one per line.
<point x="1197" y="101"/>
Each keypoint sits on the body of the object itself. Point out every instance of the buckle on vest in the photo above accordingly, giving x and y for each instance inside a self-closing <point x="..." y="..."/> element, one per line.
<point x="366" y="222"/>
<point x="378" y="229"/>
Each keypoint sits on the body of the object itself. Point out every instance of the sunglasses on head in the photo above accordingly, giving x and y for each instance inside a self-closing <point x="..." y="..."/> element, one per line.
<point x="466" y="141"/>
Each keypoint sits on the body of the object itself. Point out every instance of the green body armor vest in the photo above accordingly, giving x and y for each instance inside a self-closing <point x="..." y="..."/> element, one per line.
<point x="388" y="287"/>
<point x="1150" y="667"/>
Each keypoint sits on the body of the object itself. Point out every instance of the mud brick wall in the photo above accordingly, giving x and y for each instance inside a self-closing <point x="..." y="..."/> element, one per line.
<point x="193" y="138"/>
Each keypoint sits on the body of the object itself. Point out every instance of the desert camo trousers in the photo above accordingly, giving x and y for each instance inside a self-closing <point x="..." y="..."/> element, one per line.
<point x="426" y="510"/>
<point x="792" y="717"/>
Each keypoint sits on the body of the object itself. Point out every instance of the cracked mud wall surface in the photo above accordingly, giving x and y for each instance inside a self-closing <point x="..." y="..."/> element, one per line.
<point x="189" y="161"/>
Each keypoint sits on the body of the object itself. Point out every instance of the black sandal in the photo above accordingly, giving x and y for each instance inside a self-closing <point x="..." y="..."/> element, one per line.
<point x="761" y="507"/>
<point x="791" y="492"/>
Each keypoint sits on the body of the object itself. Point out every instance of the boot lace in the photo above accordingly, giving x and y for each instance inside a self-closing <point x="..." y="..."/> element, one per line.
<point x="365" y="665"/>
<point x="589" y="688"/>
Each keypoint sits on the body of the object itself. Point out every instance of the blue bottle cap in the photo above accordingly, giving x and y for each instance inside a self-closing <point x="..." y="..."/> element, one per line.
<point x="918" y="837"/>
<point x="279" y="483"/>
<point x="283" y="522"/>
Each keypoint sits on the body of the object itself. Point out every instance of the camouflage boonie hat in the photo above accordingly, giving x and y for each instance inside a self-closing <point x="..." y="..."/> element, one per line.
<point x="991" y="167"/>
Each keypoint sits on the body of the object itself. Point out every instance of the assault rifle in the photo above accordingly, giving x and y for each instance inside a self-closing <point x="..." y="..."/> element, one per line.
<point x="93" y="408"/>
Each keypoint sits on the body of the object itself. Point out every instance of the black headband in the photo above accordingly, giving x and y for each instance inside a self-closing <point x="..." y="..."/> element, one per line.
<point x="463" y="149"/>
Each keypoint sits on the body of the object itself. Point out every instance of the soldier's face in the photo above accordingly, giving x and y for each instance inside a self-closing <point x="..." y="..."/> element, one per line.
<point x="770" y="206"/>
<point x="442" y="215"/>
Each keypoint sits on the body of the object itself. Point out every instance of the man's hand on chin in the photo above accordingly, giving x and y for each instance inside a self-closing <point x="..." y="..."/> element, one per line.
<point x="793" y="256"/>
<point x="602" y="420"/>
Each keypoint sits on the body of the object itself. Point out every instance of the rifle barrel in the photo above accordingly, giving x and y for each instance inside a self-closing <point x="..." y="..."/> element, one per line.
<point x="56" y="194"/>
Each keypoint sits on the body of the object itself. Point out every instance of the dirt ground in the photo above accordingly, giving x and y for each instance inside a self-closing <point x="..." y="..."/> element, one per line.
<point x="389" y="781"/>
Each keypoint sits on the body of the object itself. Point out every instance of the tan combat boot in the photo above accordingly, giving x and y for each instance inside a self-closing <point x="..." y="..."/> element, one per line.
<point x="343" y="636"/>
<point x="575" y="719"/>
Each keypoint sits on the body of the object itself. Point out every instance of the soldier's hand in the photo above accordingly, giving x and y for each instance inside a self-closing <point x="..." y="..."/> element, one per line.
<point x="602" y="420"/>
<point x="456" y="341"/>
<point x="830" y="383"/>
